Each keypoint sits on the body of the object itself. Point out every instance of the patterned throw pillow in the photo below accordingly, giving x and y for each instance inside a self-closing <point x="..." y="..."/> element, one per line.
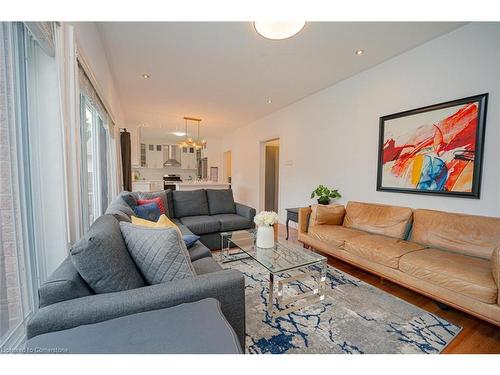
<point x="149" y="211"/>
<point x="156" y="200"/>
<point x="159" y="253"/>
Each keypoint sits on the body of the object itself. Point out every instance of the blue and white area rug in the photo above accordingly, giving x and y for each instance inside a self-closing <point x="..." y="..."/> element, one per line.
<point x="355" y="317"/>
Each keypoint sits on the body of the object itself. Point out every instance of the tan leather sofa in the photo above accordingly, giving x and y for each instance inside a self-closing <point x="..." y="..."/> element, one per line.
<point x="452" y="258"/>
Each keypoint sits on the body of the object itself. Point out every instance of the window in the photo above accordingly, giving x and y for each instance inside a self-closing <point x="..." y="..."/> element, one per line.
<point x="32" y="206"/>
<point x="14" y="284"/>
<point x="98" y="150"/>
<point x="95" y="145"/>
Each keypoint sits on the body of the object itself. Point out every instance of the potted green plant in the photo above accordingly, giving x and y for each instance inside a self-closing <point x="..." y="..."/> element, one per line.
<point x="324" y="194"/>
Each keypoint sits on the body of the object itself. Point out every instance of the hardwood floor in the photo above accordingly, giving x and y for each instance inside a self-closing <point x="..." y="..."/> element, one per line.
<point x="476" y="337"/>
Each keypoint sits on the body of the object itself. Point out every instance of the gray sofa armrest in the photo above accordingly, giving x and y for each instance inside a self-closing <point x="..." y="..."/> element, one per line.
<point x="227" y="286"/>
<point x="65" y="283"/>
<point x="245" y="211"/>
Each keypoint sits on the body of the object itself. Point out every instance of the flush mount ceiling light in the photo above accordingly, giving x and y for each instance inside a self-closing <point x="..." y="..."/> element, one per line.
<point x="278" y="30"/>
<point x="269" y="101"/>
<point x="146" y="76"/>
<point x="360" y="52"/>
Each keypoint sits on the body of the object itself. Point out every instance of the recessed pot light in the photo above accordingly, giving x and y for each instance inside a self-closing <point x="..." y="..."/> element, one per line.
<point x="269" y="101"/>
<point x="146" y="76"/>
<point x="179" y="134"/>
<point x="360" y="52"/>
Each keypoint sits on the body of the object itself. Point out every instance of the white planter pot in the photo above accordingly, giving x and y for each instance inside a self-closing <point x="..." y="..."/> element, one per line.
<point x="265" y="237"/>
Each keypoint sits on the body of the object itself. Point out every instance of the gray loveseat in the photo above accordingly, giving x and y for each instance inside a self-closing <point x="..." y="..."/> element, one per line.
<point x="67" y="301"/>
<point x="208" y="212"/>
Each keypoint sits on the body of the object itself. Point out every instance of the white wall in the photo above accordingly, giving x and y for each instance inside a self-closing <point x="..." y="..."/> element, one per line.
<point x="331" y="137"/>
<point x="91" y="47"/>
<point x="90" y="44"/>
<point x="214" y="156"/>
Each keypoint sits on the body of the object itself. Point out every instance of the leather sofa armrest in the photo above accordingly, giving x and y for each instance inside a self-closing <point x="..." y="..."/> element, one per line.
<point x="495" y="268"/>
<point x="304" y="214"/>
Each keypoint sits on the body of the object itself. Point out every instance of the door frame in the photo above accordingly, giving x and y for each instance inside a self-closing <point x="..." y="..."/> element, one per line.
<point x="262" y="172"/>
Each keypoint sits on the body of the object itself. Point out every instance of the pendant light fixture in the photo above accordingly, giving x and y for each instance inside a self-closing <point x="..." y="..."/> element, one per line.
<point x="189" y="141"/>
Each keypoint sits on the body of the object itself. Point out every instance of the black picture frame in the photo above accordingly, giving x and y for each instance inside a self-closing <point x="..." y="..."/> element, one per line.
<point x="475" y="192"/>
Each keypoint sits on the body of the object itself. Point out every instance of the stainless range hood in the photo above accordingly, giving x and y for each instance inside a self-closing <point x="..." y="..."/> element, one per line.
<point x="171" y="151"/>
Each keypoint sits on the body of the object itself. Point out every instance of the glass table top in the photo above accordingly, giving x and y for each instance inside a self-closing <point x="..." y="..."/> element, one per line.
<point x="285" y="255"/>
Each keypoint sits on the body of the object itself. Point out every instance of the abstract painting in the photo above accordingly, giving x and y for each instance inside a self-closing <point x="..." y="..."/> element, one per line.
<point x="434" y="150"/>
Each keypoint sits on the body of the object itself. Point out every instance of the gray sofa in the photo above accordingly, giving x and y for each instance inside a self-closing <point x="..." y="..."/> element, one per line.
<point x="67" y="301"/>
<point x="189" y="328"/>
<point x="208" y="212"/>
<point x="204" y="212"/>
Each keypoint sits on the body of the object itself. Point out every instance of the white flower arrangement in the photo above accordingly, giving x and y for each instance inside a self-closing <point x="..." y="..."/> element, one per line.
<point x="266" y="218"/>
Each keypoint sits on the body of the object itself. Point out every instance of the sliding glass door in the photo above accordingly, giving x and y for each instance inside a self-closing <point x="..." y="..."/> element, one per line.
<point x="95" y="145"/>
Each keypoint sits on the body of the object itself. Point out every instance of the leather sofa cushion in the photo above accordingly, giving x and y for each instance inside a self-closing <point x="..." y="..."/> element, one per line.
<point x="231" y="222"/>
<point x="335" y="235"/>
<point x="327" y="214"/>
<point x="201" y="224"/>
<point x="380" y="249"/>
<point x="459" y="273"/>
<point x="190" y="203"/>
<point x="392" y="221"/>
<point x="466" y="234"/>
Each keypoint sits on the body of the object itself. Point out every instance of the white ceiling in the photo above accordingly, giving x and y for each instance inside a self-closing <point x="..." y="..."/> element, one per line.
<point x="224" y="72"/>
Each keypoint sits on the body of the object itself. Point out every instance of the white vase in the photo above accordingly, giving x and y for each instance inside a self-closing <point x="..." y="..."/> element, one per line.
<point x="265" y="237"/>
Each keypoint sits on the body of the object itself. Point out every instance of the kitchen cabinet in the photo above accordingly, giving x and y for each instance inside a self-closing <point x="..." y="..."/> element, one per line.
<point x="154" y="156"/>
<point x="188" y="158"/>
<point x="134" y="147"/>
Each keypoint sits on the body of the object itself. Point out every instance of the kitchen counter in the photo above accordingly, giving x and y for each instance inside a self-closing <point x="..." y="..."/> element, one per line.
<point x="147" y="185"/>
<point x="200" y="185"/>
<point x="156" y="185"/>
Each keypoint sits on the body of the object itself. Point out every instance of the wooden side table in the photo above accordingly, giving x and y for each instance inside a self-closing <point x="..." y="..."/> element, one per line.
<point x="292" y="214"/>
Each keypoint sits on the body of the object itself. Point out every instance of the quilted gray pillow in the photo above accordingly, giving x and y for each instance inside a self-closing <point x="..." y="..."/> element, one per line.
<point x="159" y="253"/>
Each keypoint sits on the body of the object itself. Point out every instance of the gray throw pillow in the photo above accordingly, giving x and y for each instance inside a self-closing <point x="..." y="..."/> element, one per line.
<point x="221" y="201"/>
<point x="129" y="198"/>
<point x="160" y="253"/>
<point x="120" y="209"/>
<point x="190" y="203"/>
<point x="102" y="260"/>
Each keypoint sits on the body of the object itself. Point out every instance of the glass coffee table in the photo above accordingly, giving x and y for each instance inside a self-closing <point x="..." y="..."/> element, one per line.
<point x="280" y="261"/>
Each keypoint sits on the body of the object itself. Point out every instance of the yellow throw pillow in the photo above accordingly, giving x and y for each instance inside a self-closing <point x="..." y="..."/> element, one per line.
<point x="163" y="222"/>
